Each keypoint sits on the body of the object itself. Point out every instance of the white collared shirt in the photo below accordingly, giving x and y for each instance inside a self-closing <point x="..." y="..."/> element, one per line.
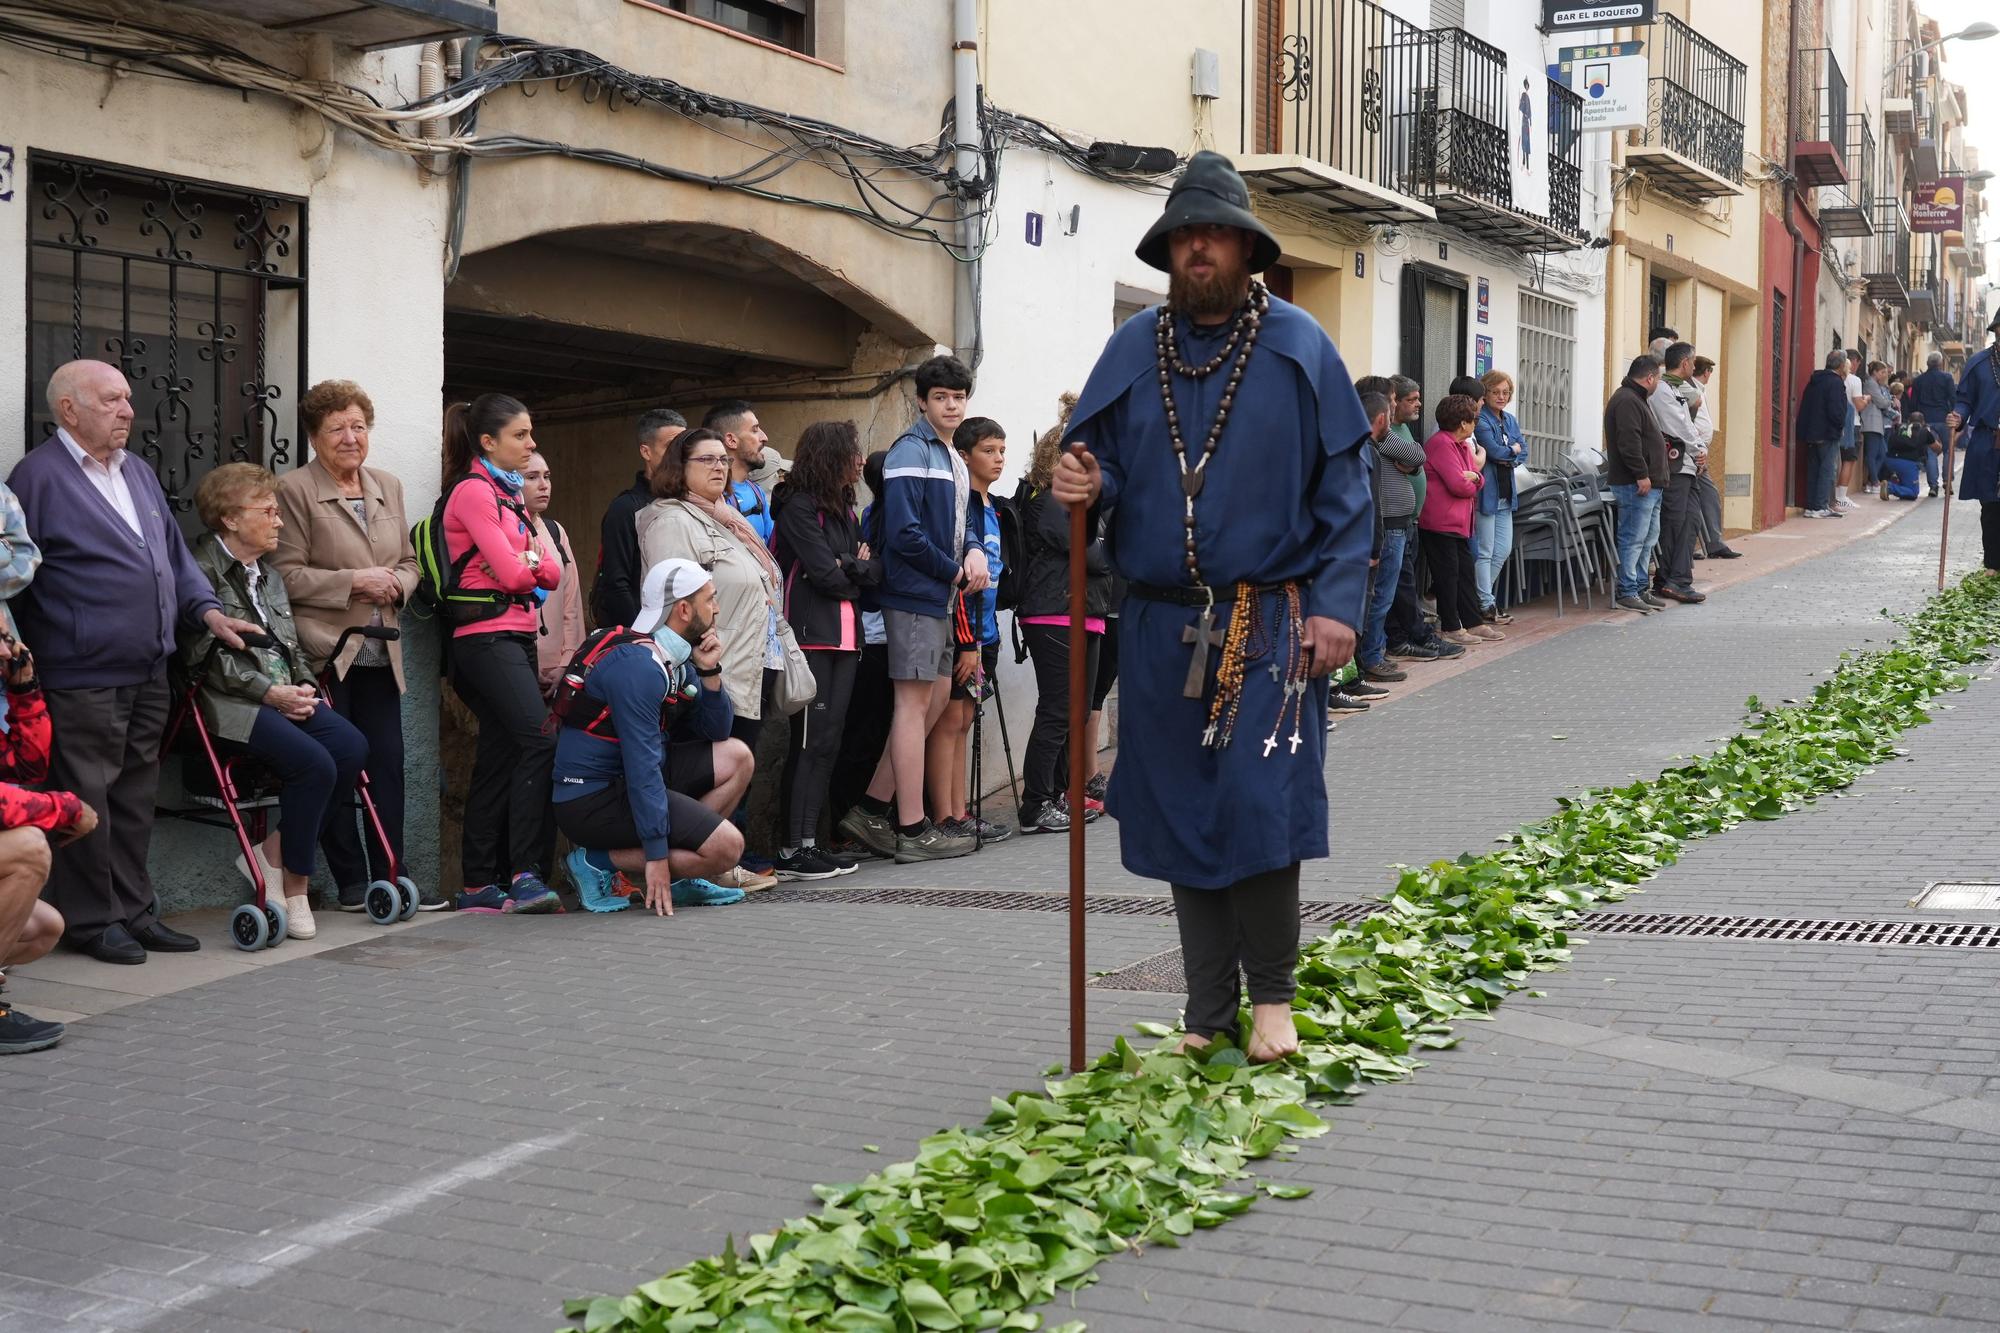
<point x="109" y="480"/>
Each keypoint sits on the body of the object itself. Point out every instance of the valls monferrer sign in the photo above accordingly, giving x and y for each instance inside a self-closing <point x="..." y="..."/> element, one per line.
<point x="1574" y="16"/>
<point x="1938" y="206"/>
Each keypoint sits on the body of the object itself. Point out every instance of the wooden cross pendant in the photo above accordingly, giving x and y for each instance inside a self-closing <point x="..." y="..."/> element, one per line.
<point x="1203" y="635"/>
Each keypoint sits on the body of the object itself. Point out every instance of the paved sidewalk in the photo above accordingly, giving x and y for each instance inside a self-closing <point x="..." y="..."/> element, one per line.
<point x="459" y="1126"/>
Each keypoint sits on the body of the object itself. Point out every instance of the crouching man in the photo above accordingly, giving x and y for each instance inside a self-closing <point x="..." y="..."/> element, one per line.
<point x="29" y="821"/>
<point x="645" y="770"/>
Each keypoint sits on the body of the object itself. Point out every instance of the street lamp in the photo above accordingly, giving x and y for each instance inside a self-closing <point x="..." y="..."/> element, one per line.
<point x="1973" y="32"/>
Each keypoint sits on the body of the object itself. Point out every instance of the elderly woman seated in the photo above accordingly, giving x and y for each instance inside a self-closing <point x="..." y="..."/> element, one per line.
<point x="264" y="698"/>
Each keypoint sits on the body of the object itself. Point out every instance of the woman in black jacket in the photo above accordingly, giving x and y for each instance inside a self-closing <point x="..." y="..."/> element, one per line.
<point x="1043" y="614"/>
<point x="826" y="564"/>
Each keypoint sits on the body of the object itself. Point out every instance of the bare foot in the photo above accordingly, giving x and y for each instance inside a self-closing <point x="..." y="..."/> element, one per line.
<point x="1190" y="1042"/>
<point x="1273" y="1036"/>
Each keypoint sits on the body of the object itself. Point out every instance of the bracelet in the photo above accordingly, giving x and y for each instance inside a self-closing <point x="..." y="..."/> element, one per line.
<point x="709" y="674"/>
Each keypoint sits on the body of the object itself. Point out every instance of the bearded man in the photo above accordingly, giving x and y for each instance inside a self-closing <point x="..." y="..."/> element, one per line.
<point x="1221" y="443"/>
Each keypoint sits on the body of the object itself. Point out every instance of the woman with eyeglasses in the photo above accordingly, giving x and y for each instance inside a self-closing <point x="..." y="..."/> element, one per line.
<point x="264" y="698"/>
<point x="693" y="518"/>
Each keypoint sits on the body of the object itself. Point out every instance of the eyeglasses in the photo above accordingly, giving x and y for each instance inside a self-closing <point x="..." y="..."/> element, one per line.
<point x="710" y="460"/>
<point x="268" y="511"/>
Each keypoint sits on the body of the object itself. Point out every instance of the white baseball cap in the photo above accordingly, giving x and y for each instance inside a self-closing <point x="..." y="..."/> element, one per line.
<point x="668" y="582"/>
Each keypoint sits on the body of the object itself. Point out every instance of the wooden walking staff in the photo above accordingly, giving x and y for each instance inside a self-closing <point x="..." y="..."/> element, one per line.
<point x="1079" y="715"/>
<point x="1944" y="537"/>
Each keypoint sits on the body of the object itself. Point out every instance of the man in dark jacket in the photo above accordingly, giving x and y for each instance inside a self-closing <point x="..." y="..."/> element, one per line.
<point x="1822" y="418"/>
<point x="1934" y="391"/>
<point x="614" y="598"/>
<point x="1635" y="455"/>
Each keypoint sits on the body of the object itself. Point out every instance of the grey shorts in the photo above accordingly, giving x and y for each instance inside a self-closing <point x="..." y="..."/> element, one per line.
<point x="919" y="646"/>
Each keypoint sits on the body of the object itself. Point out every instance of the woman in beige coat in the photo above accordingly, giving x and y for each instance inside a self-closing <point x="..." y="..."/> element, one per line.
<point x="346" y="559"/>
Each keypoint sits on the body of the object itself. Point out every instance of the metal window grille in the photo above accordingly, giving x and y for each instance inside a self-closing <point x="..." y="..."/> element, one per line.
<point x="195" y="291"/>
<point x="786" y="23"/>
<point x="1546" y="401"/>
<point x="1780" y="380"/>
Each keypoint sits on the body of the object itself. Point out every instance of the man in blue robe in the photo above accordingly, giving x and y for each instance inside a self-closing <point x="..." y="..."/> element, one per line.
<point x="1222" y="443"/>
<point x="1978" y="413"/>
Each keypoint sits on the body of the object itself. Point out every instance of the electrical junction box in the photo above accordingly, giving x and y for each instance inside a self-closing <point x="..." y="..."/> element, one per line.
<point x="1207" y="80"/>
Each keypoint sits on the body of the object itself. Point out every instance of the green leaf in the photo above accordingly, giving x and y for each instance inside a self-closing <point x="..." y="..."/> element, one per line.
<point x="854" y="1319"/>
<point x="1287" y="1191"/>
<point x="602" y="1313"/>
<point x="927" y="1307"/>
<point x="673" y="1292"/>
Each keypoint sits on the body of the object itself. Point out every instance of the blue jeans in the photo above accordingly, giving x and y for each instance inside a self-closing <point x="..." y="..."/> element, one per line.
<point x="1381" y="593"/>
<point x="1931" y="471"/>
<point x="1901" y="474"/>
<point x="1874" y="451"/>
<point x="1638" y="531"/>
<point x="1822" y="464"/>
<point x="1492" y="543"/>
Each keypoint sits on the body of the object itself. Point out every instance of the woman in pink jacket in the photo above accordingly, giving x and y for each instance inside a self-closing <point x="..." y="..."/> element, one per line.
<point x="1452" y="471"/>
<point x="486" y="523"/>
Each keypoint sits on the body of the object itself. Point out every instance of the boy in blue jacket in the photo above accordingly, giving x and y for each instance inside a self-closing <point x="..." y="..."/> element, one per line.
<point x="929" y="555"/>
<point x="630" y="795"/>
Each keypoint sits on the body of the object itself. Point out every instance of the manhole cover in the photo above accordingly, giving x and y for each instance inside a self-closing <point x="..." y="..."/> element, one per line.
<point x="1948" y="897"/>
<point x="1162" y="972"/>
<point x="393" y="953"/>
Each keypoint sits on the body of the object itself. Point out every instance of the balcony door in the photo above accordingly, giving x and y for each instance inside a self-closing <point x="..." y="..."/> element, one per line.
<point x="1434" y="331"/>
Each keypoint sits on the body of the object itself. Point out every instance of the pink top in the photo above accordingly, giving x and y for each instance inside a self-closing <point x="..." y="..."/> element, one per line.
<point x="472" y="518"/>
<point x="561" y="617"/>
<point x="1093" y="624"/>
<point x="1448" y="496"/>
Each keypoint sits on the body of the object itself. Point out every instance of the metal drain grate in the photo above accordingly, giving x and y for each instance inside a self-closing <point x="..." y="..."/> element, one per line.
<point x="1945" y="896"/>
<point x="1793" y="930"/>
<point x="1162" y="972"/>
<point x="1001" y="900"/>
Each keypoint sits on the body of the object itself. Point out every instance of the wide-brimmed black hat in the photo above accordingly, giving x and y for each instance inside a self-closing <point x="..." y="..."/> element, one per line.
<point x="1994" y="327"/>
<point x="1209" y="194"/>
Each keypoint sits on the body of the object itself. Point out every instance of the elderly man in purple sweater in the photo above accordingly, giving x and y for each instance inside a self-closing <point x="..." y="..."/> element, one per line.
<point x="116" y="582"/>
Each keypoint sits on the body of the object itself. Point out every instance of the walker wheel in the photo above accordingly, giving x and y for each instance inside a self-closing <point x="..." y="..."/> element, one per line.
<point x="410" y="897"/>
<point x="249" y="928"/>
<point x="384" y="902"/>
<point x="274" y="917"/>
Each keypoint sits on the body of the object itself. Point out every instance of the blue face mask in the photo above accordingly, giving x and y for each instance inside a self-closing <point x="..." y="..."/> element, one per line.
<point x="677" y="649"/>
<point x="513" y="481"/>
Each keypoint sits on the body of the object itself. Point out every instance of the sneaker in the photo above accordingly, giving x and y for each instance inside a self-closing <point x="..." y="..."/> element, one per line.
<point x="1653" y="599"/>
<point x="528" y="894"/>
<point x="841" y="861"/>
<point x="987" y="831"/>
<point x="490" y="898"/>
<point x="353" y="898"/>
<point x="1361" y="689"/>
<point x="1884" y="493"/>
<point x="1345" y="703"/>
<point x="1048" y="818"/>
<point x="1486" y="632"/>
<point x="804" y="864"/>
<point x="1382" y="671"/>
<point x="595" y="887"/>
<point x="1446" y="648"/>
<point x="1814" y="513"/>
<point x="1629" y="603"/>
<point x="1099" y="784"/>
<point x="1844" y="502"/>
<point x="20" y="1034"/>
<point x="959" y="827"/>
<point x="741" y="876"/>
<point x="1415" y="652"/>
<point x="704" y="893"/>
<point x="1092" y="810"/>
<point x="874" y="832"/>
<point x="1934" y="492"/>
<point x="846" y="849"/>
<point x="299" y="923"/>
<point x="428" y="900"/>
<point x="930" y="843"/>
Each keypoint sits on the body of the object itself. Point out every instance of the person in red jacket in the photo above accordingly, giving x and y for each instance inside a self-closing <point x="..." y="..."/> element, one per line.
<point x="29" y="927"/>
<point x="1452" y="469"/>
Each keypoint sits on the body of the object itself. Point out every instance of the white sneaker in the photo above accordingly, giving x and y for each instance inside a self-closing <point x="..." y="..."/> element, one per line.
<point x="1814" y="513"/>
<point x="274" y="877"/>
<point x="299" y="924"/>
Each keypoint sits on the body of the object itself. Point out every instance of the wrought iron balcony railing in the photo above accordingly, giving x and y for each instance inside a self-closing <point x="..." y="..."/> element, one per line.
<point x="1345" y="73"/>
<point x="1695" y="106"/>
<point x="1885" y="260"/>
<point x="1459" y="135"/>
<point x="1565" y="159"/>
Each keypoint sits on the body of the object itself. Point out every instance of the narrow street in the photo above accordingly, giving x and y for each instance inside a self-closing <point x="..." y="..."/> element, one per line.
<point x="463" y="1124"/>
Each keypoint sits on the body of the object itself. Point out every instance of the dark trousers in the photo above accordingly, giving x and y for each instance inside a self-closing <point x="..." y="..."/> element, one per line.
<point x="1678" y="519"/>
<point x="507" y="821"/>
<point x="1822" y="466"/>
<point x="1107" y="666"/>
<point x="1252" y="928"/>
<point x="1406" y="617"/>
<point x="1989" y="533"/>
<point x="1708" y="503"/>
<point x="368" y="697"/>
<point x="1450" y="559"/>
<point x="107" y="750"/>
<point x="316" y="760"/>
<point x="1045" y="766"/>
<point x="750" y="730"/>
<point x="870" y="708"/>
<point x="815" y="742"/>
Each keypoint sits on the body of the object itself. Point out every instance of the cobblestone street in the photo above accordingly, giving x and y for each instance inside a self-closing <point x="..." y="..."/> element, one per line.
<point x="459" y="1125"/>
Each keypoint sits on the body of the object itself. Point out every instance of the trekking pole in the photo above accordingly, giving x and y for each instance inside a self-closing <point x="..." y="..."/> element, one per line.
<point x="978" y="813"/>
<point x="1944" y="536"/>
<point x="1079" y="712"/>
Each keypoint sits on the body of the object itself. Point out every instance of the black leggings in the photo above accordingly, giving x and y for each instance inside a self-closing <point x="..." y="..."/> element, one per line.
<point x="1045" y="767"/>
<point x="508" y="796"/>
<point x="368" y="697"/>
<point x="1107" y="665"/>
<point x="1450" y="559"/>
<point x="1251" y="927"/>
<point x="815" y="742"/>
<point x="1989" y="533"/>
<point x="865" y="732"/>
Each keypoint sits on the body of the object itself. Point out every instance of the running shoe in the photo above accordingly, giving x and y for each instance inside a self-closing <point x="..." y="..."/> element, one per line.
<point x="595" y="886"/>
<point x="704" y="893"/>
<point x="20" y="1034"/>
<point x="874" y="832"/>
<point x="1046" y="818"/>
<point x="528" y="894"/>
<point x="1097" y="786"/>
<point x="930" y="843"/>
<point x="491" y="899"/>
<point x="744" y="878"/>
<point x="806" y="863"/>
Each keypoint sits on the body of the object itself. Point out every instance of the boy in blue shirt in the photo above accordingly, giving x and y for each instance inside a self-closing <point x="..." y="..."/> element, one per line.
<point x="976" y="630"/>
